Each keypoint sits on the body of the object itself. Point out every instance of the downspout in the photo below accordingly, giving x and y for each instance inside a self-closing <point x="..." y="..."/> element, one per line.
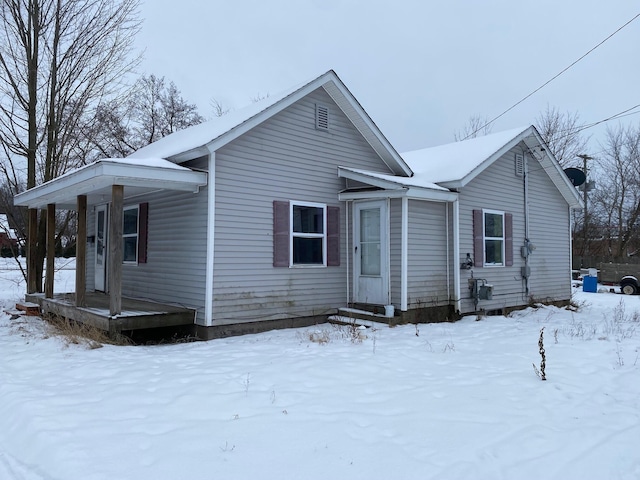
<point x="571" y="244"/>
<point x="404" y="266"/>
<point x="211" y="217"/>
<point x="456" y="254"/>
<point x="446" y="229"/>
<point x="526" y="223"/>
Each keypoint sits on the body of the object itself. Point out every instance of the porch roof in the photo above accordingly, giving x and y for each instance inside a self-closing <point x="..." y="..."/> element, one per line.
<point x="95" y="181"/>
<point x="393" y="185"/>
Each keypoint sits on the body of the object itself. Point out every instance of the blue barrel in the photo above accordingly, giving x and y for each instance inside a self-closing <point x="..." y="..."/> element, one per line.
<point x="590" y="284"/>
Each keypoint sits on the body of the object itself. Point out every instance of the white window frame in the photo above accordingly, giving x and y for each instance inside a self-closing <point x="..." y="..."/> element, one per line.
<point x="502" y="239"/>
<point x="135" y="235"/>
<point x="323" y="235"/>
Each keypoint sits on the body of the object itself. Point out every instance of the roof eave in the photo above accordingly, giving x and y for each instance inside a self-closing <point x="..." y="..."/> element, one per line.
<point x="411" y="191"/>
<point x="340" y="94"/>
<point x="102" y="174"/>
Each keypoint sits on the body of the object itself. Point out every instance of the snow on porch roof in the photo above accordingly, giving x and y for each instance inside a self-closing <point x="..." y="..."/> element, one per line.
<point x="95" y="181"/>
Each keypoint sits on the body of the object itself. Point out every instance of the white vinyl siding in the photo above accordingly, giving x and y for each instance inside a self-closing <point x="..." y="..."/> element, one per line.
<point x="495" y="189"/>
<point x="282" y="159"/>
<point x="498" y="189"/>
<point x="429" y="282"/>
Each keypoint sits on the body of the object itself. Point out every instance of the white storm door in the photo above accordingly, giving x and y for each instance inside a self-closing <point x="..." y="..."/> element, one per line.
<point x="101" y="248"/>
<point x="371" y="264"/>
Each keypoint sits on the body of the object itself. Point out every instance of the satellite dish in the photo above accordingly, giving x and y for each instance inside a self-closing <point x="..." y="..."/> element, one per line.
<point x="576" y="176"/>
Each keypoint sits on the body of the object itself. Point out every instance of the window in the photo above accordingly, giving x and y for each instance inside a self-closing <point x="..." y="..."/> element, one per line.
<point x="134" y="233"/>
<point x="493" y="238"/>
<point x="130" y="234"/>
<point x="308" y="227"/>
<point x="305" y="234"/>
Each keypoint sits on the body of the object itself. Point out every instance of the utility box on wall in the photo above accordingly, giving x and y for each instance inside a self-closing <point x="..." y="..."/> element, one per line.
<point x="480" y="289"/>
<point x="485" y="292"/>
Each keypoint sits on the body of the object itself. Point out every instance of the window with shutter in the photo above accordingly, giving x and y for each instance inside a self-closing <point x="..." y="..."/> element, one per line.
<point x="492" y="238"/>
<point x="305" y="234"/>
<point x="135" y="233"/>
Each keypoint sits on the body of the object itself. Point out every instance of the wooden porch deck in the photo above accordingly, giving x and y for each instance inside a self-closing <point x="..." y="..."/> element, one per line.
<point x="136" y="314"/>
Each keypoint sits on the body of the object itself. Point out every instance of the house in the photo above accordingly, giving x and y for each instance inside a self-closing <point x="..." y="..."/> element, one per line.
<point x="282" y="213"/>
<point x="8" y="238"/>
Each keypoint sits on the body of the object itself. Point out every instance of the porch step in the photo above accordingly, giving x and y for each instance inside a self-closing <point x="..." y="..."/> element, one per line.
<point x="29" y="308"/>
<point x="349" y="316"/>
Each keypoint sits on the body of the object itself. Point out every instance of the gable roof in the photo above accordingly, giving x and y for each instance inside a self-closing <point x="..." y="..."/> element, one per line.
<point x="456" y="164"/>
<point x="199" y="140"/>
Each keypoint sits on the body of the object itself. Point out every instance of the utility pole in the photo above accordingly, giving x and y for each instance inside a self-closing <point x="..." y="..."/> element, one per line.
<point x="585" y="228"/>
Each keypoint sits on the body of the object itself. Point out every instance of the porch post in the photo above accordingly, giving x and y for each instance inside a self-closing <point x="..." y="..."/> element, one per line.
<point x="404" y="255"/>
<point x="32" y="261"/>
<point x="81" y="251"/>
<point x="115" y="250"/>
<point x="51" y="250"/>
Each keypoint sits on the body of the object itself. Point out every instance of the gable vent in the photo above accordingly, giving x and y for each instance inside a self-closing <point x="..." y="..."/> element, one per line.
<point x="519" y="163"/>
<point x="322" y="117"/>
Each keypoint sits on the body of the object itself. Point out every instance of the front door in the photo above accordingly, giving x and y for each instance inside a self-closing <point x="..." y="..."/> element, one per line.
<point x="101" y="248"/>
<point x="371" y="265"/>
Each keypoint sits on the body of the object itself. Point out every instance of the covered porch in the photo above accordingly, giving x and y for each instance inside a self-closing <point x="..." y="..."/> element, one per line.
<point x="108" y="181"/>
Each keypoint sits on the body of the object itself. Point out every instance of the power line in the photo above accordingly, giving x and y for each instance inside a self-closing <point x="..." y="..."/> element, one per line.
<point x="550" y="80"/>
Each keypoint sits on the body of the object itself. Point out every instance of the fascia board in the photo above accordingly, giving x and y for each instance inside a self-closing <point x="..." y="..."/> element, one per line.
<point x="372" y="194"/>
<point x="369" y="180"/>
<point x="488" y="162"/>
<point x="269" y="112"/>
<point x="340" y="94"/>
<point x="103" y="174"/>
<point x="555" y="172"/>
<point x="389" y="186"/>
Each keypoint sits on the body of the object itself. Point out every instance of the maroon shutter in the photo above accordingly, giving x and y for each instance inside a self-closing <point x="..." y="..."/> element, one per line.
<point x="143" y="229"/>
<point x="281" y="232"/>
<point x="508" y="239"/>
<point x="478" y="239"/>
<point x="333" y="236"/>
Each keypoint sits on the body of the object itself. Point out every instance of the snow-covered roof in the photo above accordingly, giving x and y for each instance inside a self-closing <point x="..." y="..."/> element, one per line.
<point x="456" y="164"/>
<point x="96" y="179"/>
<point x="207" y="137"/>
<point x="453" y="162"/>
<point x="5" y="228"/>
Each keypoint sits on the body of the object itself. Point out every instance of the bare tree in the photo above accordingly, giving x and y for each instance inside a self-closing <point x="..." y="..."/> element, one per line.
<point x="617" y="198"/>
<point x="59" y="59"/>
<point x="151" y="110"/>
<point x="476" y="126"/>
<point x="562" y="132"/>
<point x="218" y="108"/>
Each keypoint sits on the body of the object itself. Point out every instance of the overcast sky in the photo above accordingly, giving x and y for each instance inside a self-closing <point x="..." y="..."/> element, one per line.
<point x="420" y="68"/>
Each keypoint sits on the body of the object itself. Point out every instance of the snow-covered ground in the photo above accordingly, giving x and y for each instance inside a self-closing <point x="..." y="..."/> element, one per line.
<point x="439" y="401"/>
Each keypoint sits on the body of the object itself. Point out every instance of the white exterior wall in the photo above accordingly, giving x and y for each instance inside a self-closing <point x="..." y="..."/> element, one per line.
<point x="498" y="188"/>
<point x="428" y="284"/>
<point x="549" y="231"/>
<point x="285" y="158"/>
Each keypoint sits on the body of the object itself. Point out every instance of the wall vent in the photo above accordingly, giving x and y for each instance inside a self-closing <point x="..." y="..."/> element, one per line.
<point x="322" y="117"/>
<point x="519" y="163"/>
